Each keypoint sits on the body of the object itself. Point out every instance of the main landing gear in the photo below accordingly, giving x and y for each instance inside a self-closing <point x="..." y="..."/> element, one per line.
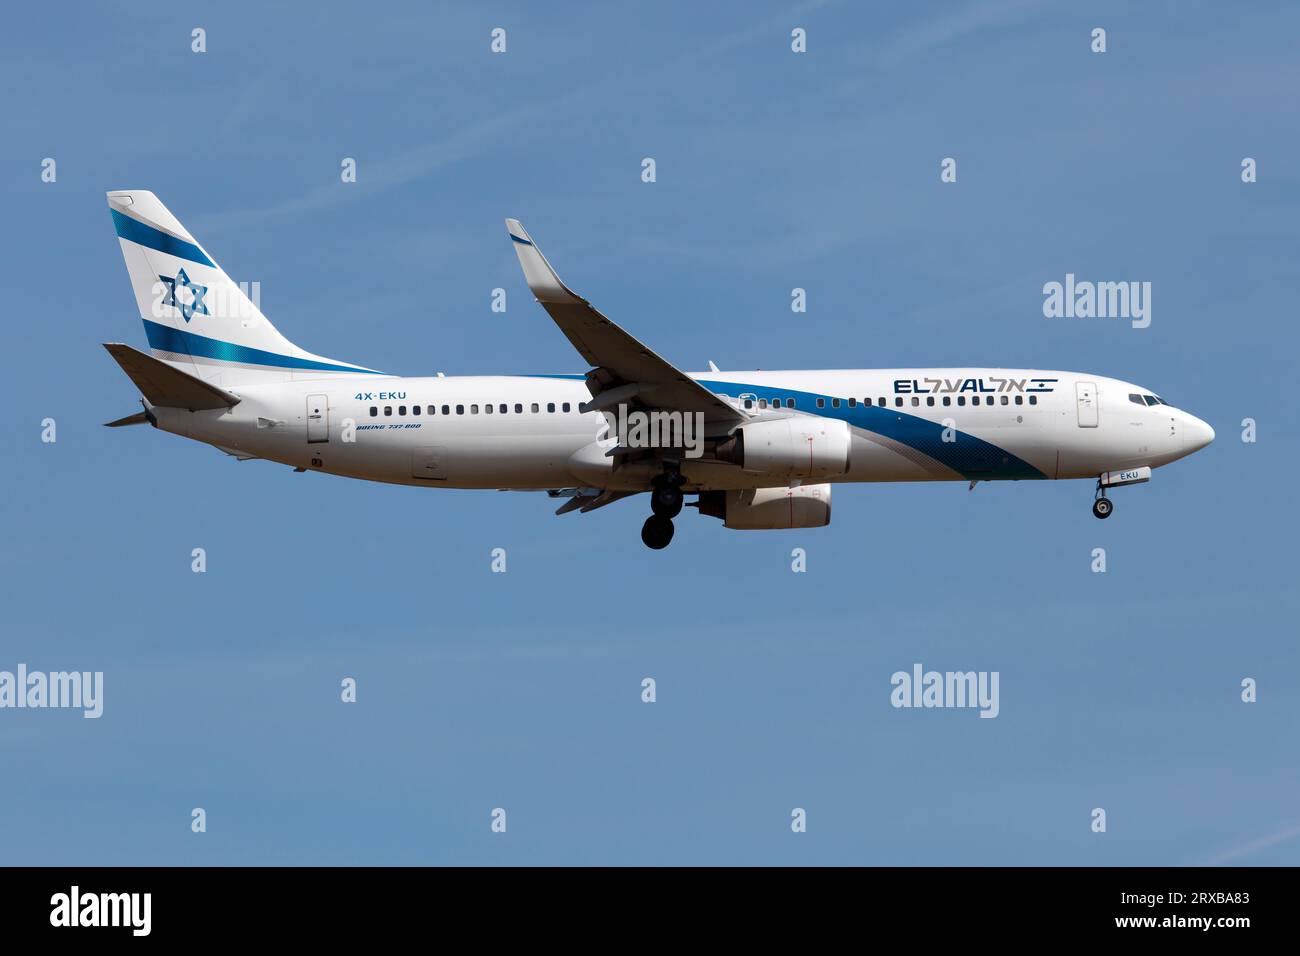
<point x="1101" y="505"/>
<point x="666" y="500"/>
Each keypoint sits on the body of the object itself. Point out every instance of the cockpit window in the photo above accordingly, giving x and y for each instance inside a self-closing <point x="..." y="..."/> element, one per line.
<point x="1151" y="399"/>
<point x="1136" y="399"/>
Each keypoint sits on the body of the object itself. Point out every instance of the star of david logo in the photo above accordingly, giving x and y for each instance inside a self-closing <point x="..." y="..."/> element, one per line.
<point x="184" y="295"/>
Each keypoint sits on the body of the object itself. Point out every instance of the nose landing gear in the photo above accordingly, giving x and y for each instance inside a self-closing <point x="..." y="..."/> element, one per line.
<point x="666" y="500"/>
<point x="1101" y="505"/>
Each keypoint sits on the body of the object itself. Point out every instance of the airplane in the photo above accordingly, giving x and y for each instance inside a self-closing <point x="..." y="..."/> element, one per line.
<point x="761" y="450"/>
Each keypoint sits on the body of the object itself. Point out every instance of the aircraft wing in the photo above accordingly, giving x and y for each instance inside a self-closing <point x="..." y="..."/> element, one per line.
<point x="623" y="370"/>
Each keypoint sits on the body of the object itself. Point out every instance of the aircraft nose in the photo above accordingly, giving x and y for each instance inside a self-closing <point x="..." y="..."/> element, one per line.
<point x="1196" y="434"/>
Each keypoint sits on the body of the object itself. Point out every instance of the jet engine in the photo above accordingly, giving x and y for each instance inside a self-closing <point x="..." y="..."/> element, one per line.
<point x="801" y="446"/>
<point x="769" y="509"/>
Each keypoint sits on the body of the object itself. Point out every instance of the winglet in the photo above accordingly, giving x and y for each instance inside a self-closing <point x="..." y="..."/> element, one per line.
<point x="541" y="278"/>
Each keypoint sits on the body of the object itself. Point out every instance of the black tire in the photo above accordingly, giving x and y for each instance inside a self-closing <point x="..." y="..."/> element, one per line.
<point x="666" y="500"/>
<point x="657" y="532"/>
<point x="1102" y="507"/>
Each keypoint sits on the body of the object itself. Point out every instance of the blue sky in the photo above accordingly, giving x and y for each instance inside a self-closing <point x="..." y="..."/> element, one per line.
<point x="522" y="690"/>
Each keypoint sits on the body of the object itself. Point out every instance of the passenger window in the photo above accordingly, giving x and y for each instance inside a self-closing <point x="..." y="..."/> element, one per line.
<point x="388" y="409"/>
<point x="1020" y="399"/>
<point x="853" y="403"/>
<point x="821" y="403"/>
<point x="762" y="403"/>
<point x="519" y="408"/>
<point x="835" y="403"/>
<point x="947" y="399"/>
<point x="564" y="407"/>
<point x="1033" y="399"/>
<point x="881" y="401"/>
<point x="401" y="409"/>
<point x="1004" y="400"/>
<point x="503" y="408"/>
<point x="550" y="406"/>
<point x="460" y="409"/>
<point x="487" y="409"/>
<point x="915" y="401"/>
<point x="898" y="402"/>
<point x="433" y="409"/>
<point x="373" y="411"/>
<point x="749" y="403"/>
<point x="473" y="409"/>
<point x="415" y="409"/>
<point x="789" y="403"/>
<point x="536" y="408"/>
<point x="446" y="410"/>
<point x="961" y="399"/>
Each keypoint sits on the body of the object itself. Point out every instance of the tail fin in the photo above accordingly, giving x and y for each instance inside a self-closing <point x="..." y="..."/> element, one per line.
<point x="195" y="317"/>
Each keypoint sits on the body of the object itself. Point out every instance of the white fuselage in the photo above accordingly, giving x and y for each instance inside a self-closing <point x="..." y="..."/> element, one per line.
<point x="919" y="425"/>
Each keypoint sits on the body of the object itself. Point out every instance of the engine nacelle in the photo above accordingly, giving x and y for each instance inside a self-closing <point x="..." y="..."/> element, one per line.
<point x="801" y="446"/>
<point x="770" y="509"/>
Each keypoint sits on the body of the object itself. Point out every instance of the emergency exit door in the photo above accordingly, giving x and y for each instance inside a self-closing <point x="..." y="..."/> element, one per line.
<point x="318" y="419"/>
<point x="1086" y="396"/>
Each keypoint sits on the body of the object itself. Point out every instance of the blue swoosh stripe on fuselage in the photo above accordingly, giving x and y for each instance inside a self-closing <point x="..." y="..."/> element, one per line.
<point x="971" y="457"/>
<point x="166" y="339"/>
<point x="146" y="235"/>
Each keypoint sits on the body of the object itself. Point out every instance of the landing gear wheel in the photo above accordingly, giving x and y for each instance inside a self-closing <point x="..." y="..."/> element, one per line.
<point x="1102" y="507"/>
<point x="657" y="532"/>
<point x="666" y="499"/>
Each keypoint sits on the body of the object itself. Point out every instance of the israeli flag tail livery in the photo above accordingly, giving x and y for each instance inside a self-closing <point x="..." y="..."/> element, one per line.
<point x="195" y="317"/>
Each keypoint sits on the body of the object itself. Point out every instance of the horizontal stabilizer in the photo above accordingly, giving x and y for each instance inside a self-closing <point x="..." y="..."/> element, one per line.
<point x="139" y="418"/>
<point x="165" y="385"/>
